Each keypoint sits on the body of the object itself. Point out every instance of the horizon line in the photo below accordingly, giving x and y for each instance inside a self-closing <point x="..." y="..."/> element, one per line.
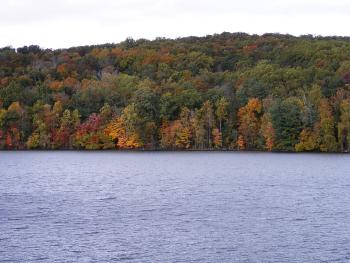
<point x="344" y="37"/>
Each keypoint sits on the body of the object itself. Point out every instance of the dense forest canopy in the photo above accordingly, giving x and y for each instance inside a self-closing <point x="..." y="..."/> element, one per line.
<point x="226" y="91"/>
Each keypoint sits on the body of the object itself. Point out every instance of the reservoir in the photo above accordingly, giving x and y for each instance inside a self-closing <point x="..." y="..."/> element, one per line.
<point x="68" y="206"/>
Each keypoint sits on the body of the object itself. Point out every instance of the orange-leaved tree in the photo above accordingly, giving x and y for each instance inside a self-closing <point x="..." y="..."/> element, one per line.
<point x="249" y="122"/>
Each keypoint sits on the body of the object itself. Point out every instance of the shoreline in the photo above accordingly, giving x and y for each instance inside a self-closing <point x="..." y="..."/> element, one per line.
<point x="169" y="151"/>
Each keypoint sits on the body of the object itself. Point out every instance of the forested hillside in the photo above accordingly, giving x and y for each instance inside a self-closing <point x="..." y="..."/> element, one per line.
<point x="227" y="91"/>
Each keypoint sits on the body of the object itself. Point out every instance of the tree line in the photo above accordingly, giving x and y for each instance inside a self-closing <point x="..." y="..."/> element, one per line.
<point x="229" y="91"/>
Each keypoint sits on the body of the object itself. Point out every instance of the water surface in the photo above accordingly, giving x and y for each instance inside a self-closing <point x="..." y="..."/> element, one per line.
<point x="174" y="207"/>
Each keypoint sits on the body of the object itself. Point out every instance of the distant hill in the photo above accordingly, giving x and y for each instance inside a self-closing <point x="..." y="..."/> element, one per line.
<point x="226" y="91"/>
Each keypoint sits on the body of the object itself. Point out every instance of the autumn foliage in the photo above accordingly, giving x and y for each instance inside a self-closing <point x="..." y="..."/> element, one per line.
<point x="229" y="91"/>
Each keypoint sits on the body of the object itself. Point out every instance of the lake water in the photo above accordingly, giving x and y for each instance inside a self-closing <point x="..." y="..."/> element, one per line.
<point x="174" y="207"/>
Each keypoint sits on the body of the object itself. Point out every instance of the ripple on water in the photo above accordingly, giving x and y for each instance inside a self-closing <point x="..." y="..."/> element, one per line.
<point x="174" y="207"/>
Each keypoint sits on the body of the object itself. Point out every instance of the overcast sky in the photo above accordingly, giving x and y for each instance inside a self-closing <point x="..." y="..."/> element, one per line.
<point x="66" y="23"/>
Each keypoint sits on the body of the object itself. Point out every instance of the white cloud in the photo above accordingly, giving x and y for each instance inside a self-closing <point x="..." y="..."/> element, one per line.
<point x="64" y="23"/>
